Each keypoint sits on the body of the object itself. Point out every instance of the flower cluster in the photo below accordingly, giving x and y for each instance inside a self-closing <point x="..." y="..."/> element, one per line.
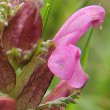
<point x="28" y="65"/>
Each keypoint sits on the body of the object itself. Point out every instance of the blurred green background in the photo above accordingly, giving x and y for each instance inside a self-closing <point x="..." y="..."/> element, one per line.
<point x="96" y="95"/>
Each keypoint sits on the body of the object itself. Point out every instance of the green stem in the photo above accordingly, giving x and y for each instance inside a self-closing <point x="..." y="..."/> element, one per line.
<point x="47" y="12"/>
<point x="85" y="51"/>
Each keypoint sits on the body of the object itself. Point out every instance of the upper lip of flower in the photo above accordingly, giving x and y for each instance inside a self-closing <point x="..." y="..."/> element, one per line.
<point x="81" y="21"/>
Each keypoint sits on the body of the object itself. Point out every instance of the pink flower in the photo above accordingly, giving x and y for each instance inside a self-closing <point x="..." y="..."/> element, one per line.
<point x="64" y="62"/>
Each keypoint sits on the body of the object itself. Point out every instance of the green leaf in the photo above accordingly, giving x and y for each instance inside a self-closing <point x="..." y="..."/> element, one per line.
<point x="85" y="51"/>
<point x="46" y="12"/>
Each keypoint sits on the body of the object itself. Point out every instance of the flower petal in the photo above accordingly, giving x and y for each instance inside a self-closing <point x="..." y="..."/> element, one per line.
<point x="77" y="79"/>
<point x="63" y="62"/>
<point x="63" y="89"/>
<point x="79" y="23"/>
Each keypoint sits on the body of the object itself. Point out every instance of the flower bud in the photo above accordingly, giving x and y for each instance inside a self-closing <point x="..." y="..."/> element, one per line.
<point x="7" y="103"/>
<point x="24" y="28"/>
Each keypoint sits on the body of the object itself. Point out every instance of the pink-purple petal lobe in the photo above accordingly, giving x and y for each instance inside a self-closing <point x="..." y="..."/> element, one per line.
<point x="63" y="89"/>
<point x="79" y="23"/>
<point x="77" y="79"/>
<point x="63" y="63"/>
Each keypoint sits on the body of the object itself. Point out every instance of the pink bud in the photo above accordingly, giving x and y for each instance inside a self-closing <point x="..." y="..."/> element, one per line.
<point x="24" y="28"/>
<point x="7" y="103"/>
